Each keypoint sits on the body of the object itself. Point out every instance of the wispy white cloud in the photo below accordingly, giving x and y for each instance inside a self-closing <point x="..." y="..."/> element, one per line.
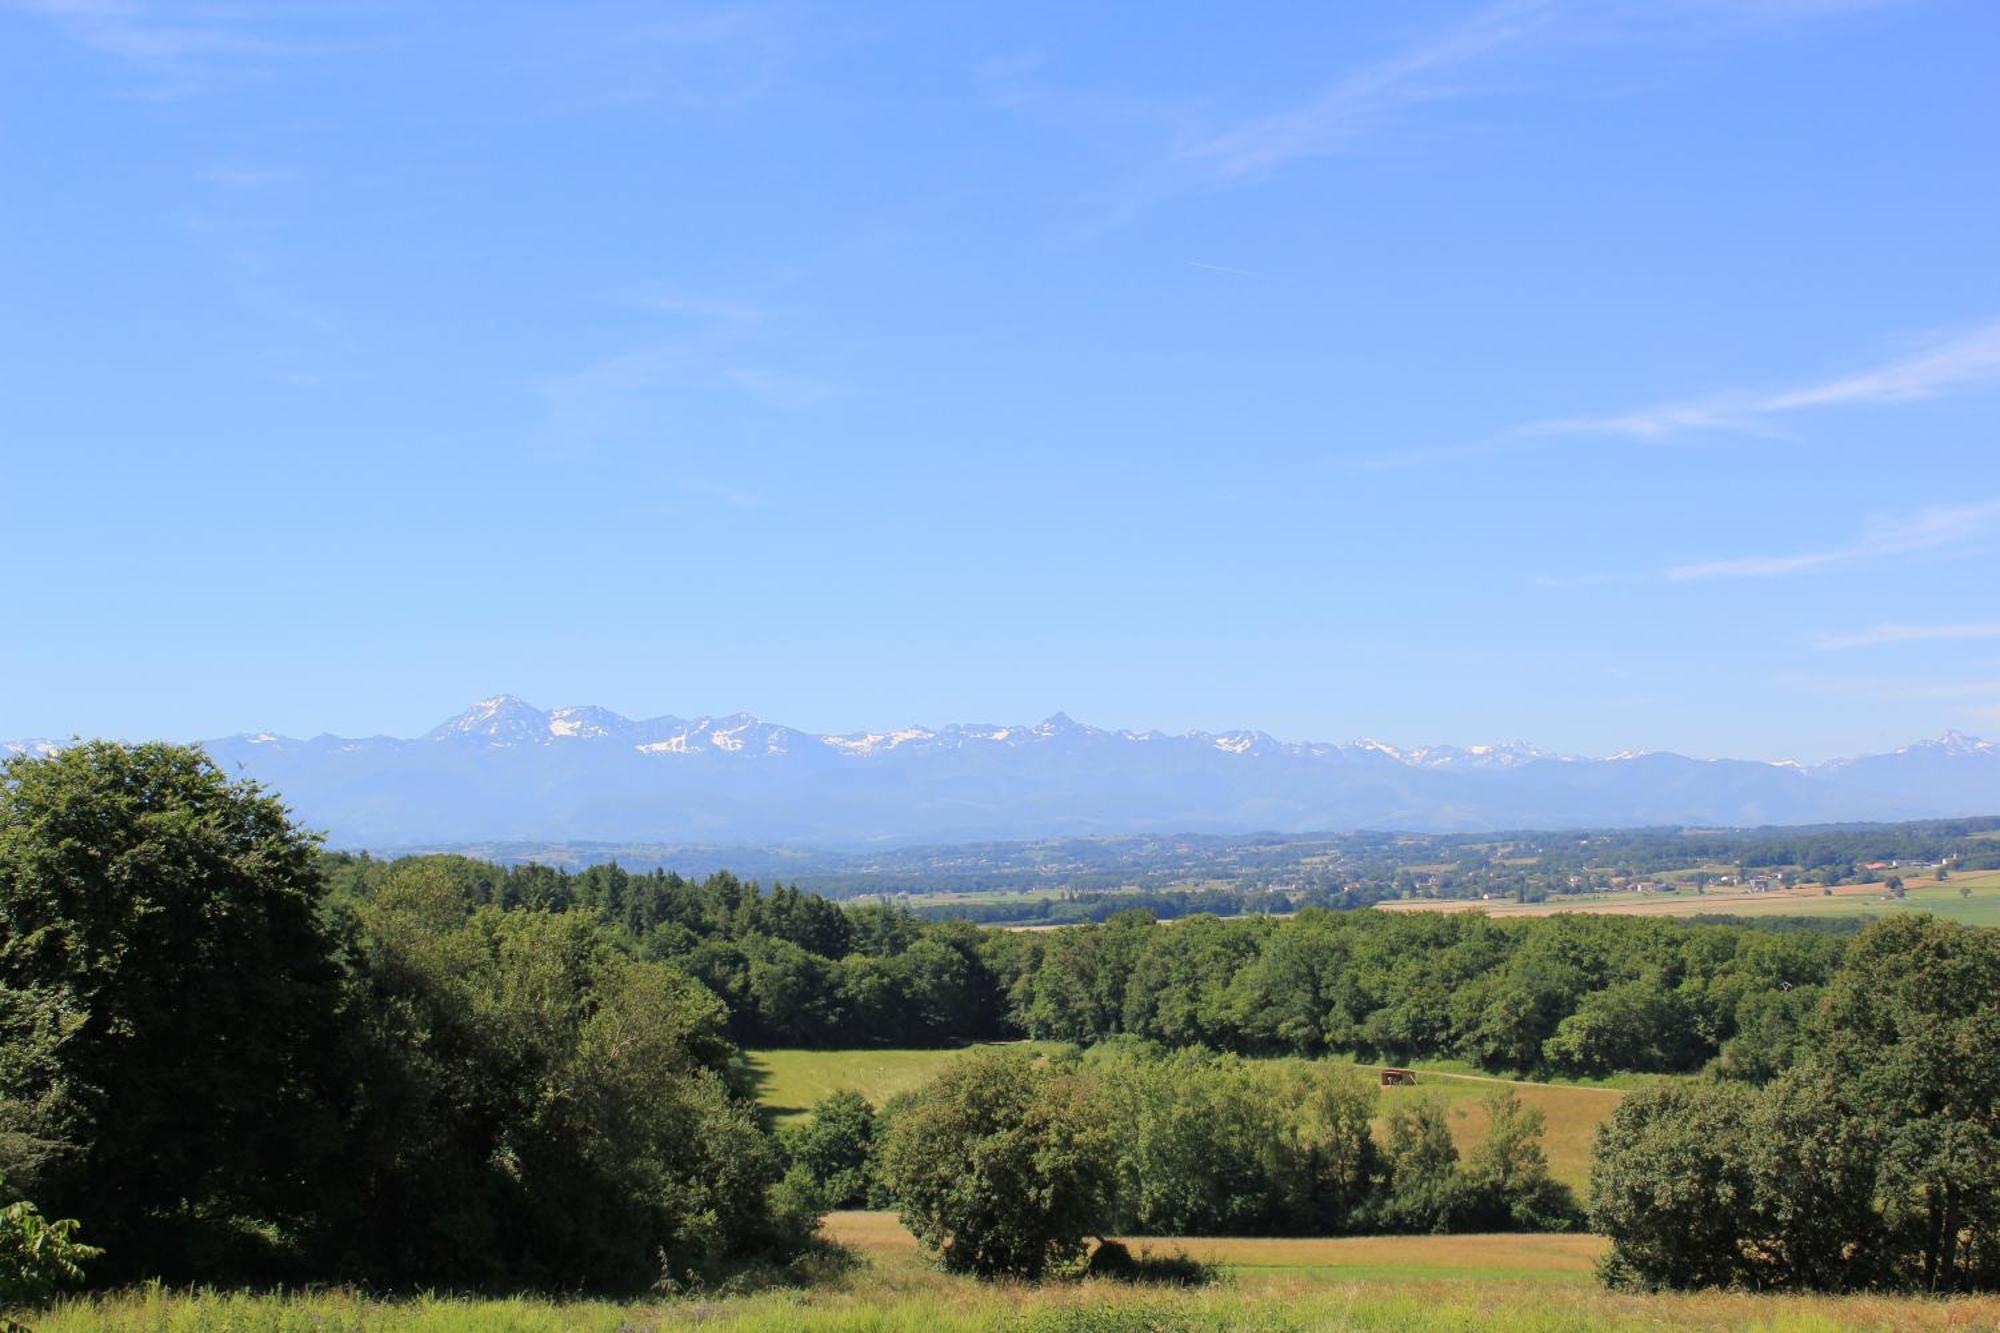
<point x="1358" y="103"/>
<point x="1967" y="361"/>
<point x="134" y="31"/>
<point x="712" y="345"/>
<point x="1877" y="635"/>
<point x="174" y="39"/>
<point x="1878" y="688"/>
<point x="1223" y="268"/>
<point x="1926" y="530"/>
<point x="1937" y="529"/>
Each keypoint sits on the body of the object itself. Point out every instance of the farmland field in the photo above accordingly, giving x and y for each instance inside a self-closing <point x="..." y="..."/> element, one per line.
<point x="789" y="1082"/>
<point x="1944" y="900"/>
<point x="1422" y="1284"/>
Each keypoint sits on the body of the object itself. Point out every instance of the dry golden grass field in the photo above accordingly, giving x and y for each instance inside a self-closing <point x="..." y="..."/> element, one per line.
<point x="1528" y="1258"/>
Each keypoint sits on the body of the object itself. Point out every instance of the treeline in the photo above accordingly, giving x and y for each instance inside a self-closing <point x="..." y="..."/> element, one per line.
<point x="1579" y="995"/>
<point x="791" y="968"/>
<point x="1007" y="1160"/>
<point x="1873" y="1163"/>
<point x="1582" y="995"/>
<point x="226" y="1074"/>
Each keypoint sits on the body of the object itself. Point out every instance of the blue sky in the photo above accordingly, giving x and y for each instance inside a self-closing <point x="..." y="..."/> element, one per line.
<point x="1606" y="375"/>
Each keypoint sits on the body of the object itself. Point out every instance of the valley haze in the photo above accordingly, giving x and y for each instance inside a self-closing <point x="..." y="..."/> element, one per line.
<point x="506" y="770"/>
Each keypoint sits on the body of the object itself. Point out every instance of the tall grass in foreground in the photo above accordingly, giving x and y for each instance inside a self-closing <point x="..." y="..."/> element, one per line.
<point x="940" y="1306"/>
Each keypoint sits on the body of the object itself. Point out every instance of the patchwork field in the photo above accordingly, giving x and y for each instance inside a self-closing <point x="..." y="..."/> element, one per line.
<point x="1945" y="900"/>
<point x="790" y="1082"/>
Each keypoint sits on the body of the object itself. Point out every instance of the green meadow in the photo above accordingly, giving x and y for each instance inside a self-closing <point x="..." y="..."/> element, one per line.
<point x="789" y="1082"/>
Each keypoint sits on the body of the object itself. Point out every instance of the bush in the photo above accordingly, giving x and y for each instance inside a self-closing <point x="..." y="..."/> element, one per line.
<point x="1115" y="1261"/>
<point x="1000" y="1164"/>
<point x="1217" y="1145"/>
<point x="38" y="1257"/>
<point x="1427" y="1193"/>
<point x="1670" y="1185"/>
<point x="1507" y="1182"/>
<point x="834" y="1151"/>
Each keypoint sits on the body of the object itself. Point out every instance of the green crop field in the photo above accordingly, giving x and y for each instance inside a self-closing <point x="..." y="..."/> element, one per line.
<point x="790" y="1082"/>
<point x="1947" y="901"/>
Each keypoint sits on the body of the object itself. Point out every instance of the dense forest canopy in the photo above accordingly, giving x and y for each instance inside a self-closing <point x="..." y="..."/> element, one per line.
<point x="1576" y="995"/>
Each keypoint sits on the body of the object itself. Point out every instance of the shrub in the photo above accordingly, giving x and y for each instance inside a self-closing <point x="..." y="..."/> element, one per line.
<point x="1427" y="1193"/>
<point x="1115" y="1261"/>
<point x="1670" y="1185"/>
<point x="834" y="1151"/>
<point x="1000" y="1164"/>
<point x="38" y="1257"/>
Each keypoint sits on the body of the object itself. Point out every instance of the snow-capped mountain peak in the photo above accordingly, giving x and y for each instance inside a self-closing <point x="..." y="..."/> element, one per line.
<point x="587" y="722"/>
<point x="1510" y="755"/>
<point x="1953" y="742"/>
<point x="504" y="719"/>
<point x="506" y="769"/>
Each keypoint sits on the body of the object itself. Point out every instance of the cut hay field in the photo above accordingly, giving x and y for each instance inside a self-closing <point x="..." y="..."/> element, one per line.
<point x="790" y="1082"/>
<point x="1848" y="900"/>
<point x="1529" y="1258"/>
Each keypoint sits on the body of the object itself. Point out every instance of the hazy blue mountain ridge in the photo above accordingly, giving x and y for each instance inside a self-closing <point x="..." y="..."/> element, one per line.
<point x="504" y="769"/>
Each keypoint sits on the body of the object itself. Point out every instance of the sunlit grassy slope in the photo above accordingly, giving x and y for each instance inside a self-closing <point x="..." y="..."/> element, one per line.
<point x="789" y="1082"/>
<point x="1418" y="1284"/>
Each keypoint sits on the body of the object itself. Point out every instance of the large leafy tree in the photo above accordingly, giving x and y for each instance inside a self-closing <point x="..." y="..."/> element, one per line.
<point x="542" y="1109"/>
<point x="1670" y="1184"/>
<point x="1874" y="1161"/>
<point x="1001" y="1165"/>
<point x="169" y="996"/>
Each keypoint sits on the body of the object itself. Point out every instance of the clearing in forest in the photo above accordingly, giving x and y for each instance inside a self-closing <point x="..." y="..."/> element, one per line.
<point x="789" y="1082"/>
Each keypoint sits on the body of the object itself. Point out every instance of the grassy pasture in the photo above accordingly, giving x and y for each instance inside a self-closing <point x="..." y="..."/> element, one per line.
<point x="789" y="1082"/>
<point x="1418" y="1284"/>
<point x="1924" y="895"/>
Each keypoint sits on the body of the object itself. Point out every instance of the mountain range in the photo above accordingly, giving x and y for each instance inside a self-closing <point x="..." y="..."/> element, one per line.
<point x="504" y="769"/>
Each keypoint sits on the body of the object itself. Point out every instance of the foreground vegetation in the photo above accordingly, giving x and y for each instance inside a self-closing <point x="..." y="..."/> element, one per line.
<point x="224" y="1076"/>
<point x="231" y="1059"/>
<point x="1400" y="1285"/>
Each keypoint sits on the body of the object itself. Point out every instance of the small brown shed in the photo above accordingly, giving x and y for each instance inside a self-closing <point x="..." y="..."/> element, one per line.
<point x="1399" y="1078"/>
